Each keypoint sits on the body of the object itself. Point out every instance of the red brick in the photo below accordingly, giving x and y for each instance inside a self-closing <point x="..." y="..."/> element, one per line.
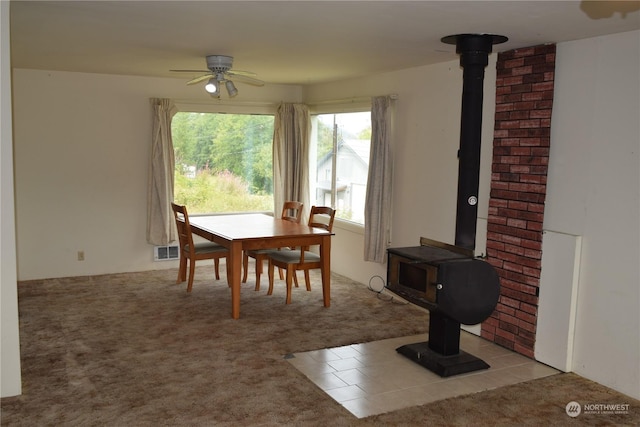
<point x="510" y="302"/>
<point x="533" y="96"/>
<point x="519" y="133"/>
<point x="533" y="272"/>
<point x="506" y="343"/>
<point x="520" y="151"/>
<point x="500" y="134"/>
<point x="501" y="308"/>
<point x="534" y="59"/>
<point x="502" y="194"/>
<point x="510" y="337"/>
<point x="511" y="97"/>
<point x="521" y="71"/>
<point x="525" y="51"/>
<point x="512" y="81"/>
<point x="499" y="203"/>
<point x="542" y="69"/>
<point x="531" y="244"/>
<point x="535" y="207"/>
<point x="513" y="249"/>
<point x="499" y="116"/>
<point x="532" y="142"/>
<point x="548" y="50"/>
<point x="534" y="226"/>
<point x="524" y="342"/>
<point x="530" y="253"/>
<point x="521" y="88"/>
<point x="495" y="219"/>
<point x="533" y="78"/>
<point x="512" y="266"/>
<point x="531" y="309"/>
<point x="527" y="188"/>
<point x="509" y="177"/>
<point x="525" y="298"/>
<point x="524" y="350"/>
<point x="520" y="169"/>
<point x="541" y="87"/>
<point x="517" y="115"/>
<point x="525" y="335"/>
<point x="524" y="106"/>
<point x="508" y="124"/>
<point x="526" y="317"/>
<point x="518" y="223"/>
<point x="509" y="142"/>
<point x="540" y="114"/>
<point x="527" y="234"/>
<point x="500" y="167"/>
<point x="496" y="263"/>
<point x="540" y="151"/>
<point x="533" y="123"/>
<point x="504" y="107"/>
<point x="508" y="327"/>
<point x="514" y="63"/>
<point x="544" y="104"/>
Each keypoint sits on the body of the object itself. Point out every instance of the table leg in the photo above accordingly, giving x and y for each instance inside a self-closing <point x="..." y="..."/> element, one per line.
<point x="235" y="258"/>
<point x="325" y="269"/>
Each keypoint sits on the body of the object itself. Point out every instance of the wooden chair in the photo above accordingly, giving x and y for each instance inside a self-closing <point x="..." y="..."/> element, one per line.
<point x="194" y="251"/>
<point x="291" y="211"/>
<point x="293" y="260"/>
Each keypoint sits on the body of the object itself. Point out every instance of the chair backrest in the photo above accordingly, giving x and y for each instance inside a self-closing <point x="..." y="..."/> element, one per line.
<point x="292" y="211"/>
<point x="322" y="217"/>
<point x="183" y="226"/>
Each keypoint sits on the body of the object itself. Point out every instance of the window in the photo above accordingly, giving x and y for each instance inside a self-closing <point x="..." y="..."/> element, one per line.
<point x="223" y="162"/>
<point x="341" y="179"/>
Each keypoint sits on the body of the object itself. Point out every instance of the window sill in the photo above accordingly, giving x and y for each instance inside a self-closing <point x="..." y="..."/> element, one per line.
<point x="349" y="226"/>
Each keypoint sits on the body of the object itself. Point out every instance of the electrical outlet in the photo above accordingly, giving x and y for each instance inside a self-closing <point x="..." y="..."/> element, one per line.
<point x="80" y="255"/>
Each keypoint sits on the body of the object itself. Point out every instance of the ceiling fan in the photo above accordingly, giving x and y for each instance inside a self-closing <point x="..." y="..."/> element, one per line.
<point x="220" y="72"/>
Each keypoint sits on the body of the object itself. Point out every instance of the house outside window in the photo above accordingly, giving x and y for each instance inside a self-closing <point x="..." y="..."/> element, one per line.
<point x="341" y="144"/>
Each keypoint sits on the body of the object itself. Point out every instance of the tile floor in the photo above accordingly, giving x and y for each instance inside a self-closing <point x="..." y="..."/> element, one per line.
<point x="372" y="378"/>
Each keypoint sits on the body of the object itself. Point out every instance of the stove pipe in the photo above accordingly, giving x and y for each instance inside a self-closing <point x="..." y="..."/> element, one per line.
<point x="474" y="50"/>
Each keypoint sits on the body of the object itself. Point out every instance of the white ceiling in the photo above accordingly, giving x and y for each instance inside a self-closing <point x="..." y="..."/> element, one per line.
<point x="296" y="42"/>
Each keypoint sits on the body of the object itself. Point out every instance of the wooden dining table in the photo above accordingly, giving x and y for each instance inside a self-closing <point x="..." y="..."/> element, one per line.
<point x="242" y="232"/>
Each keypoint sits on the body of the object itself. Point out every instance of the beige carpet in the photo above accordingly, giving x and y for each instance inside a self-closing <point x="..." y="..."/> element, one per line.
<point x="137" y="350"/>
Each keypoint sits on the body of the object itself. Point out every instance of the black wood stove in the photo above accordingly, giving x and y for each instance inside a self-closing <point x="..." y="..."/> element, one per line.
<point x="448" y="280"/>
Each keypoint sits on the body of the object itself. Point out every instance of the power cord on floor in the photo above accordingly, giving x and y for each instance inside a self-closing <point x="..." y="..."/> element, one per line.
<point x="379" y="292"/>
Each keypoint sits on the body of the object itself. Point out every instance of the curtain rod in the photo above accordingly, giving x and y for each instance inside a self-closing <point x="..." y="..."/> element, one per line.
<point x="351" y="100"/>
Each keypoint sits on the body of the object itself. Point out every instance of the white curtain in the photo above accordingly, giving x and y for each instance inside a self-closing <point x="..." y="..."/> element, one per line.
<point x="291" y="137"/>
<point x="160" y="226"/>
<point x="377" y="210"/>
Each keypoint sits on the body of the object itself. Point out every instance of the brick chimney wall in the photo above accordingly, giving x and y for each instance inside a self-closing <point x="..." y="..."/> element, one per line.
<point x="524" y="99"/>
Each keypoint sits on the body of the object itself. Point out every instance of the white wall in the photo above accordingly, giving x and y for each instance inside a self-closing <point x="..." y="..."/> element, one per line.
<point x="10" y="384"/>
<point x="594" y="192"/>
<point x="82" y="145"/>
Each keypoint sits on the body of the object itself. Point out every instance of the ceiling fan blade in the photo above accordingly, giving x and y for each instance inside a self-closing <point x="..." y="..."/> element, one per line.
<point x="241" y="73"/>
<point x="190" y="71"/>
<point x="200" y="79"/>
<point x="245" y="79"/>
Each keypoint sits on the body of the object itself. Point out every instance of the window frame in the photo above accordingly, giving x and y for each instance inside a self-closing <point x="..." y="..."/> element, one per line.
<point x="333" y="108"/>
<point x="222" y="107"/>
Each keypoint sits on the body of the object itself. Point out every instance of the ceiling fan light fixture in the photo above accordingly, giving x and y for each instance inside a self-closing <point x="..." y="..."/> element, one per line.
<point x="231" y="88"/>
<point x="212" y="86"/>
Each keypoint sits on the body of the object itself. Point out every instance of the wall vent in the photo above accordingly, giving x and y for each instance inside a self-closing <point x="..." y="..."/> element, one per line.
<point x="166" y="253"/>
